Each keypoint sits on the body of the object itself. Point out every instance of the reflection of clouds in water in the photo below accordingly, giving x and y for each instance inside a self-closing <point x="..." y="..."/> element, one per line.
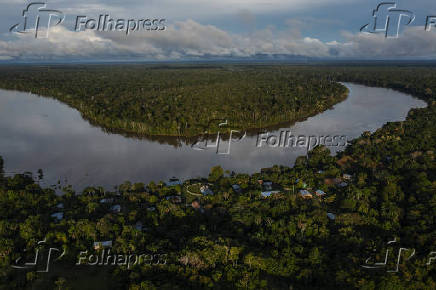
<point x="42" y="133"/>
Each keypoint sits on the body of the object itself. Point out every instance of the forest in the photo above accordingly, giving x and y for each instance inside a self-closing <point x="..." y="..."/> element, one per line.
<point x="179" y="101"/>
<point x="236" y="238"/>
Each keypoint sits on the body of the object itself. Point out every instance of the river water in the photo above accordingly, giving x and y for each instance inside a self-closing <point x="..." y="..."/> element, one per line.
<point x="38" y="132"/>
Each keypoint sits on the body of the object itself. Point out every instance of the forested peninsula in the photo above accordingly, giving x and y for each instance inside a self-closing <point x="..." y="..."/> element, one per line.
<point x="180" y="101"/>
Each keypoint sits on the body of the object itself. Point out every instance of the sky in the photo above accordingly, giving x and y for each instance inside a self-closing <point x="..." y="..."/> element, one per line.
<point x="224" y="29"/>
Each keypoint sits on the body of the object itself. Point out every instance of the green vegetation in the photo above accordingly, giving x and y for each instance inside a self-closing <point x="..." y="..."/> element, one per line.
<point x="179" y="101"/>
<point x="239" y="240"/>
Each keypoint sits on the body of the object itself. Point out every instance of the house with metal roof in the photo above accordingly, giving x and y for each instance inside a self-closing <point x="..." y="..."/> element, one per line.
<point x="305" y="194"/>
<point x="58" y="216"/>
<point x="331" y="216"/>
<point x="320" y="193"/>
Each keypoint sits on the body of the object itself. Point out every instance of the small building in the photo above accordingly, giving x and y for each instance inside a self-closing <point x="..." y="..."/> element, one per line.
<point x="347" y="176"/>
<point x="116" y="208"/>
<point x="195" y="204"/>
<point x="269" y="193"/>
<point x="266" y="193"/>
<point x="107" y="200"/>
<point x="343" y="184"/>
<point x="305" y="194"/>
<point x="102" y="245"/>
<point x="138" y="226"/>
<point x="174" y="181"/>
<point x="267" y="185"/>
<point x="236" y="188"/>
<point x="320" y="193"/>
<point x="205" y="190"/>
<point x="58" y="216"/>
<point x="331" y="216"/>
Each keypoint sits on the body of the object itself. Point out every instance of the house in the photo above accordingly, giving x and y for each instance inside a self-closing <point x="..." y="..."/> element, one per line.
<point x="267" y="185"/>
<point x="331" y="216"/>
<point x="102" y="245"/>
<point x="58" y="216"/>
<point x="174" y="181"/>
<point x="236" y="188"/>
<point x="320" y="193"/>
<point x="305" y="194"/>
<point x="343" y="184"/>
<point x="116" y="208"/>
<point x="266" y="193"/>
<point x="205" y="190"/>
<point x="195" y="204"/>
<point x="347" y="176"/>
<point x="138" y="226"/>
<point x="107" y="200"/>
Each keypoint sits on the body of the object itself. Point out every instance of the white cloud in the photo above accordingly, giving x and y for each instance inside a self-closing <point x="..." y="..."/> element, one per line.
<point x="189" y="38"/>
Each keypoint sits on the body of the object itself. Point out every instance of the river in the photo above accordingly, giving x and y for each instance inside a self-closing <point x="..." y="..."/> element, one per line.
<point x="38" y="132"/>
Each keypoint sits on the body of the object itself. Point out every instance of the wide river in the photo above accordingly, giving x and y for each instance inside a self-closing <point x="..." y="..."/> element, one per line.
<point x="38" y="132"/>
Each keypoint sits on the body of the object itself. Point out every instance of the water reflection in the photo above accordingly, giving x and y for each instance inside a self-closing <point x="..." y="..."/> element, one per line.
<point x="37" y="132"/>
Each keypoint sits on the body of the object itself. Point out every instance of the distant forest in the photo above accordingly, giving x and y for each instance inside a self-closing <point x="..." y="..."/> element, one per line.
<point x="180" y="101"/>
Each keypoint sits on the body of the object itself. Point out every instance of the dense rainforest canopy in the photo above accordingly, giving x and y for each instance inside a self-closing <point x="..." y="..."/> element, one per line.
<point x="237" y="239"/>
<point x="179" y="101"/>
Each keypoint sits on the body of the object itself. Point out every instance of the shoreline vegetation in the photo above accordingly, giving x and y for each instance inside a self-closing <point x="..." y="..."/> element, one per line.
<point x="180" y="102"/>
<point x="262" y="233"/>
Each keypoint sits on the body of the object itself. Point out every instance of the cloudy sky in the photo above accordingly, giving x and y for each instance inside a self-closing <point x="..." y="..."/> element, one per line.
<point x="224" y="29"/>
